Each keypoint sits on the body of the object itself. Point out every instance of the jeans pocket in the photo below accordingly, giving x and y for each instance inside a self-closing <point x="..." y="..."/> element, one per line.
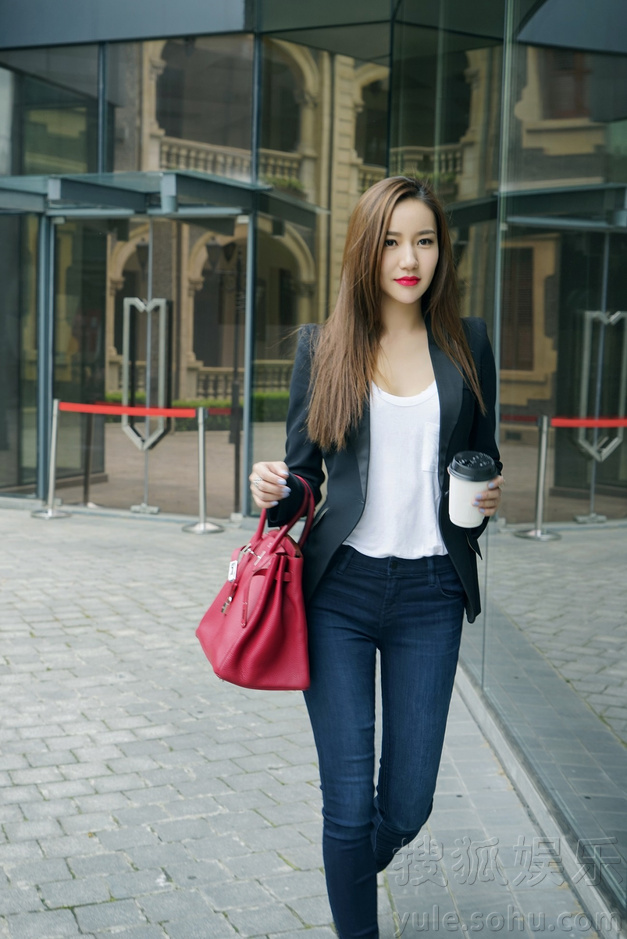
<point x="449" y="584"/>
<point x="342" y="559"/>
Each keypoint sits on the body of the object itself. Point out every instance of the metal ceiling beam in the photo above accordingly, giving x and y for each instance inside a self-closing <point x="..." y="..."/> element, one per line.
<point x="208" y="191"/>
<point x="16" y="200"/>
<point x="88" y="192"/>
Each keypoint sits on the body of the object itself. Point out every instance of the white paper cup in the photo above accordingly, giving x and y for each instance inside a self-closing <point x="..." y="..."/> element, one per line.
<point x="469" y="473"/>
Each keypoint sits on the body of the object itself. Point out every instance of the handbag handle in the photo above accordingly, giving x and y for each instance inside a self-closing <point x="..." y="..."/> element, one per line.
<point x="307" y="505"/>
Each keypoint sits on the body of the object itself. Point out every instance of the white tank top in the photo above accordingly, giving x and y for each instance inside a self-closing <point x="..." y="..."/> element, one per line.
<point x="400" y="517"/>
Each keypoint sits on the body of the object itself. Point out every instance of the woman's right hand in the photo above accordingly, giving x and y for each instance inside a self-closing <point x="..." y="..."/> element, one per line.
<point x="268" y="483"/>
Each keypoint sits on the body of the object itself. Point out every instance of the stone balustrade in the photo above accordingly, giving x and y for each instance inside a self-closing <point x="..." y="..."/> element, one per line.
<point x="232" y="162"/>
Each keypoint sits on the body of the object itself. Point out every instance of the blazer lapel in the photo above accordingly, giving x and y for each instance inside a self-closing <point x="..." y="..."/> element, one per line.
<point x="450" y="387"/>
<point x="361" y="446"/>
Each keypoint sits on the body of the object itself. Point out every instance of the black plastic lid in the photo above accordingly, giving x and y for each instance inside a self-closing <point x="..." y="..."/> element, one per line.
<point x="474" y="466"/>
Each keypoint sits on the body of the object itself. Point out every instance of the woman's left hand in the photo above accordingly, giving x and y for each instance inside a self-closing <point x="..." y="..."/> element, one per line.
<point x="489" y="500"/>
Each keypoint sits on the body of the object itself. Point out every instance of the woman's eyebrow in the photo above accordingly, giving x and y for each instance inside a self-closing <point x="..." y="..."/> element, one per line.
<point x="425" y="231"/>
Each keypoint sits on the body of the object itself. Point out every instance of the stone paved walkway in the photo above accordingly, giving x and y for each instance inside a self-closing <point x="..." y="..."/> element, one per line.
<point x="142" y="797"/>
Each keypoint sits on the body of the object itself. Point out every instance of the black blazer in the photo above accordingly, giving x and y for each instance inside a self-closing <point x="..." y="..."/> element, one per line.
<point x="462" y="427"/>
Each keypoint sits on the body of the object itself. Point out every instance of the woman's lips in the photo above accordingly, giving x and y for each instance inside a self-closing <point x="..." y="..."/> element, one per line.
<point x="407" y="281"/>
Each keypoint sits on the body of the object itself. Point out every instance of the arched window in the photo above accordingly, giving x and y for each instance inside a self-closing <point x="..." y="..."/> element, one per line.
<point x="371" y="131"/>
<point x="280" y="125"/>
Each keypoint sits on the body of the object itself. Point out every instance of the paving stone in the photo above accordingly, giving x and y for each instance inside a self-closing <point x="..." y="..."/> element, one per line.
<point x="28" y="831"/>
<point x="296" y="884"/>
<point x="89" y="822"/>
<point x="136" y="932"/>
<point x="193" y="873"/>
<point x="111" y="915"/>
<point x="98" y="864"/>
<point x="214" y="926"/>
<point x="316" y="933"/>
<point x="313" y="911"/>
<point x="256" y="865"/>
<point x="127" y="885"/>
<point x="20" y="900"/>
<point x="33" y="873"/>
<point x="70" y="893"/>
<point x="263" y="920"/>
<point x="70" y="845"/>
<point x="182" y="829"/>
<point x="236" y="895"/>
<point x="308" y="857"/>
<point x="173" y="905"/>
<point x="53" y="924"/>
<point x="290" y="813"/>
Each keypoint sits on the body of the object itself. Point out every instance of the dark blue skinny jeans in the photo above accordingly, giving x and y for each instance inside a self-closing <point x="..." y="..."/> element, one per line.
<point x="412" y="612"/>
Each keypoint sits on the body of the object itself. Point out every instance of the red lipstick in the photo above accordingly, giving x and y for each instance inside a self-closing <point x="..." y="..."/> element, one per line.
<point x="407" y="281"/>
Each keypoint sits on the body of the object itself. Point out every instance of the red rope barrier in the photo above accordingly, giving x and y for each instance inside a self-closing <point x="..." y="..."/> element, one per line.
<point x="567" y="421"/>
<point x="521" y="418"/>
<point x="118" y="409"/>
<point x="588" y="422"/>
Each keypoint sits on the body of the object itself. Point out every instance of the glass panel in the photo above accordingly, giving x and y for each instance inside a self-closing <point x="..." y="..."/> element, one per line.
<point x="563" y="361"/>
<point x="182" y="104"/>
<point x="79" y="338"/>
<point x="285" y="297"/>
<point x="284" y="14"/>
<point x="18" y="353"/>
<point x="49" y="110"/>
<point x="566" y="144"/>
<point x="446" y="100"/>
<point x="543" y="655"/>
<point x="323" y="141"/>
<point x="199" y="269"/>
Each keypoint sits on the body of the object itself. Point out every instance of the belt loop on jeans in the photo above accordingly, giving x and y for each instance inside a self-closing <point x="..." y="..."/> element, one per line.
<point x="431" y="570"/>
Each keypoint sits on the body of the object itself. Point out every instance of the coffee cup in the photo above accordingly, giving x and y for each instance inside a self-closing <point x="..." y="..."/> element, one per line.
<point x="469" y="472"/>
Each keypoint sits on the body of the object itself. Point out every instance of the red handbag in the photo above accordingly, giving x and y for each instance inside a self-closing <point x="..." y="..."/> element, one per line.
<point x="255" y="631"/>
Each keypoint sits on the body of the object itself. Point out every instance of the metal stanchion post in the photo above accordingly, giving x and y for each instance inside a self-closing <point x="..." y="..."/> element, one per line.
<point x="538" y="533"/>
<point x="89" y="443"/>
<point x="202" y="526"/>
<point x="49" y="511"/>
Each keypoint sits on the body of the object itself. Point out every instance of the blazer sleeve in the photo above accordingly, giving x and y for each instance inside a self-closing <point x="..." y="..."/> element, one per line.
<point x="483" y="431"/>
<point x="303" y="457"/>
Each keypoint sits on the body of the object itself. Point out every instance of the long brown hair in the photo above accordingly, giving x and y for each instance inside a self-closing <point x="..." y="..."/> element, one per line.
<point x="345" y="356"/>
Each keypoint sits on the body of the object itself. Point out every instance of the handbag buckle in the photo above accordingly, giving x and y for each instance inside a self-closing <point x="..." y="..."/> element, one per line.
<point x="225" y="605"/>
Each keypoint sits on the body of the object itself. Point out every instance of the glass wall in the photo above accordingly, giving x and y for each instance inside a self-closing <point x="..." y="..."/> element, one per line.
<point x="181" y="104"/>
<point x="199" y="270"/>
<point x="323" y="140"/>
<point x="563" y="267"/>
<point x="541" y="649"/>
<point x="18" y="352"/>
<point x="49" y="110"/>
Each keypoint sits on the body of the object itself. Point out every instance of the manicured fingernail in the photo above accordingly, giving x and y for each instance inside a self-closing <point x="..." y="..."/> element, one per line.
<point x="482" y="511"/>
<point x="285" y="493"/>
<point x="477" y="501"/>
<point x="274" y="503"/>
<point x="281" y="481"/>
<point x="491" y="485"/>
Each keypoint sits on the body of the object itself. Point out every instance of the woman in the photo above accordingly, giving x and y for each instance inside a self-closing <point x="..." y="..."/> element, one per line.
<point x="385" y="393"/>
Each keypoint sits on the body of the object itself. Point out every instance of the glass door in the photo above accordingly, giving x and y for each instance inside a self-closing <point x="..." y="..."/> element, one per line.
<point x="199" y="269"/>
<point x="564" y="354"/>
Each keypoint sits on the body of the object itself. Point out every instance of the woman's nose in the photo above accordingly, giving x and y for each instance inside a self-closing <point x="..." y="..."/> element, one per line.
<point x="409" y="258"/>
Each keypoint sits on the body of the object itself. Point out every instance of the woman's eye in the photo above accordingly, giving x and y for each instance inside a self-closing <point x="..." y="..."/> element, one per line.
<point x="389" y="242"/>
<point x="426" y="241"/>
